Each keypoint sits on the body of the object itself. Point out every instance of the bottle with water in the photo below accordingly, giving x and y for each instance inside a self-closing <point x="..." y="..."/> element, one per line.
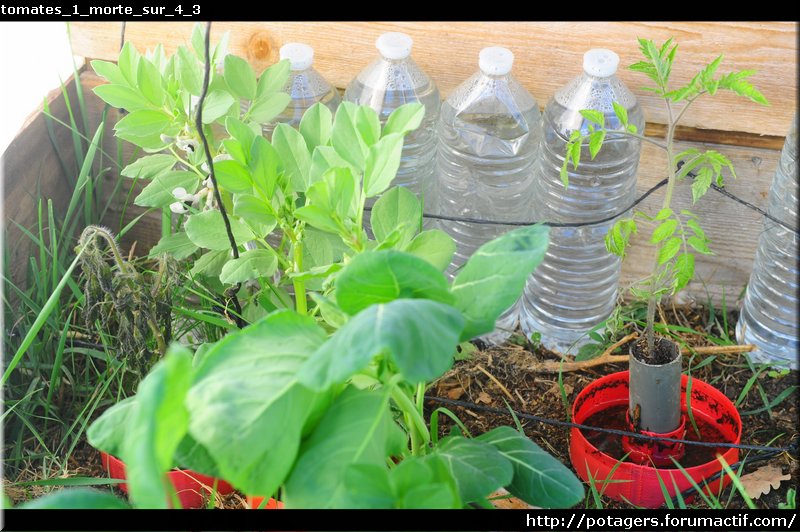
<point x="488" y="135"/>
<point x="390" y="81"/>
<point x="305" y="85"/>
<point x="769" y="312"/>
<point x="574" y="289"/>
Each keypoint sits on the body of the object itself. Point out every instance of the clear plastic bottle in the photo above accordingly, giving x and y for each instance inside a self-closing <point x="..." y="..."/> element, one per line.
<point x="390" y="81"/>
<point x="574" y="289"/>
<point x="769" y="312"/>
<point x="305" y="85"/>
<point x="488" y="135"/>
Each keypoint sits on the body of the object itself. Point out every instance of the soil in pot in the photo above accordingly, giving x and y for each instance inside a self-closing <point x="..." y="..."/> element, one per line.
<point x="664" y="351"/>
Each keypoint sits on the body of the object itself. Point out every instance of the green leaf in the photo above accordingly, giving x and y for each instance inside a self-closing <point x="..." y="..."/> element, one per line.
<point x="413" y="477"/>
<point x="699" y="245"/>
<point x="159" y="192"/>
<point x="692" y="223"/>
<point x="323" y="159"/>
<point x="345" y="137"/>
<point x="149" y="82"/>
<point x="318" y="217"/>
<point x="155" y="427"/>
<point x="493" y="278"/>
<point x="663" y="214"/>
<point x="265" y="165"/>
<point x="109" y="71"/>
<point x="596" y="142"/>
<point x="397" y="209"/>
<point x="189" y="72"/>
<point x="240" y="77"/>
<point x="149" y="166"/>
<point x="684" y="271"/>
<point x="701" y="183"/>
<point x="368" y="486"/>
<point x="143" y="127"/>
<point x="435" y="246"/>
<point x="368" y="124"/>
<point x="207" y="230"/>
<point x="329" y="311"/>
<point x="539" y="478"/>
<point x="575" y="153"/>
<point x="233" y="176"/>
<point x="198" y="40"/>
<point x="665" y="230"/>
<point x="251" y="264"/>
<point x="357" y="429"/>
<point x="107" y="433"/>
<point x="216" y="105"/>
<point x="596" y="117"/>
<point x="291" y="146"/>
<point x="405" y="118"/>
<point x="128" y="62"/>
<point x="247" y="408"/>
<point x="381" y="276"/>
<point x="235" y="149"/>
<point x="190" y="454"/>
<point x="255" y="213"/>
<point x="621" y="112"/>
<point x="177" y="245"/>
<point x="75" y="498"/>
<point x="477" y="467"/>
<point x="211" y="263"/>
<point x="266" y="108"/>
<point x="121" y="96"/>
<point x="382" y="164"/>
<point x="321" y="249"/>
<point x="669" y="250"/>
<point x="316" y="125"/>
<point x="273" y="79"/>
<point x="418" y="334"/>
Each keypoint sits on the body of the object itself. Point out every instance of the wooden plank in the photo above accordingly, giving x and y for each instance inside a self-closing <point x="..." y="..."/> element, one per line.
<point x="548" y="55"/>
<point x="728" y="270"/>
<point x="32" y="170"/>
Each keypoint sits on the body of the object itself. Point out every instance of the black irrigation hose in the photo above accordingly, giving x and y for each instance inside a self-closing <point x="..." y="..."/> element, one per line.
<point x="791" y="449"/>
<point x="199" y="125"/>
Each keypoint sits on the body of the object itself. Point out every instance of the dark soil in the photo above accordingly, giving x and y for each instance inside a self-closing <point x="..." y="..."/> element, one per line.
<point x="495" y="377"/>
<point x="664" y="351"/>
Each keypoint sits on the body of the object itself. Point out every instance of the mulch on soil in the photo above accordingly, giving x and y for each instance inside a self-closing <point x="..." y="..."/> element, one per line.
<point x="498" y="376"/>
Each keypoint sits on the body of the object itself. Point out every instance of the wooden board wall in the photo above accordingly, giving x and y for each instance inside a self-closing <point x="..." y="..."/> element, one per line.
<point x="343" y="48"/>
<point x="547" y="55"/>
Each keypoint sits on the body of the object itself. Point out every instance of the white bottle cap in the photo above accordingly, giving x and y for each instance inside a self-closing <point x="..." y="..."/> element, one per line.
<point x="600" y="62"/>
<point x="300" y="55"/>
<point x="495" y="61"/>
<point x="394" y="45"/>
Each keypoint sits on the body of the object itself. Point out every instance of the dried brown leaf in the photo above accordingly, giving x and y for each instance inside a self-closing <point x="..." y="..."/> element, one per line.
<point x="763" y="479"/>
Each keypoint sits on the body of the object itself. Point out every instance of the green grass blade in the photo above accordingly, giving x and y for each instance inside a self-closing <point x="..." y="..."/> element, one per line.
<point x="83" y="176"/>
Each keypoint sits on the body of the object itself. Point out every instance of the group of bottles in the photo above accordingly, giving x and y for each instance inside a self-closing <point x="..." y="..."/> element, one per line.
<point x="487" y="153"/>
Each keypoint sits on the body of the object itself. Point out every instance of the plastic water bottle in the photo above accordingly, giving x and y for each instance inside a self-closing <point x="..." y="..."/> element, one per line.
<point x="575" y="287"/>
<point x="488" y="135"/>
<point x="305" y="85"/>
<point x="769" y="312"/>
<point x="390" y="81"/>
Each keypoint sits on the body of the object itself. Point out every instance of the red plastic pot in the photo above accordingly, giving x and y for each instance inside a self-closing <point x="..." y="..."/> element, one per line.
<point x="255" y="502"/>
<point x="192" y="488"/>
<point x="639" y="484"/>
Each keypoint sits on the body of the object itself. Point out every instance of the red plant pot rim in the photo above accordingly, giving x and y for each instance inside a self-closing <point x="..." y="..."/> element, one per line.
<point x="640" y="484"/>
<point x="191" y="487"/>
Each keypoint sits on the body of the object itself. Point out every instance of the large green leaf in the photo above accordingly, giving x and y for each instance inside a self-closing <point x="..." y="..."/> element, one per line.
<point x="189" y="72"/>
<point x="273" y="78"/>
<point x="76" y="498"/>
<point x="324" y="158"/>
<point x="233" y="176"/>
<point x="265" y="108"/>
<point x="176" y="245"/>
<point x="265" y="165"/>
<point x="382" y="276"/>
<point x="211" y="263"/>
<point x="425" y="483"/>
<point x="121" y="96"/>
<point x="240" y="77"/>
<point x="190" y="454"/>
<point x="254" y="211"/>
<point x="316" y="125"/>
<point x="435" y="246"/>
<point x="382" y="164"/>
<point x="296" y="158"/>
<point x="405" y="118"/>
<point x="493" y="278"/>
<point x="158" y="193"/>
<point x="251" y="264"/>
<point x="149" y="166"/>
<point x="149" y="81"/>
<point x="396" y="210"/>
<point x="345" y="137"/>
<point x="207" y="230"/>
<point x="356" y="429"/>
<point x="418" y="334"/>
<point x="155" y="427"/>
<point x="107" y="433"/>
<point x="248" y="410"/>
<point x="216" y="105"/>
<point x="321" y="249"/>
<point x="477" y="467"/>
<point x="539" y="478"/>
<point x="143" y="127"/>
